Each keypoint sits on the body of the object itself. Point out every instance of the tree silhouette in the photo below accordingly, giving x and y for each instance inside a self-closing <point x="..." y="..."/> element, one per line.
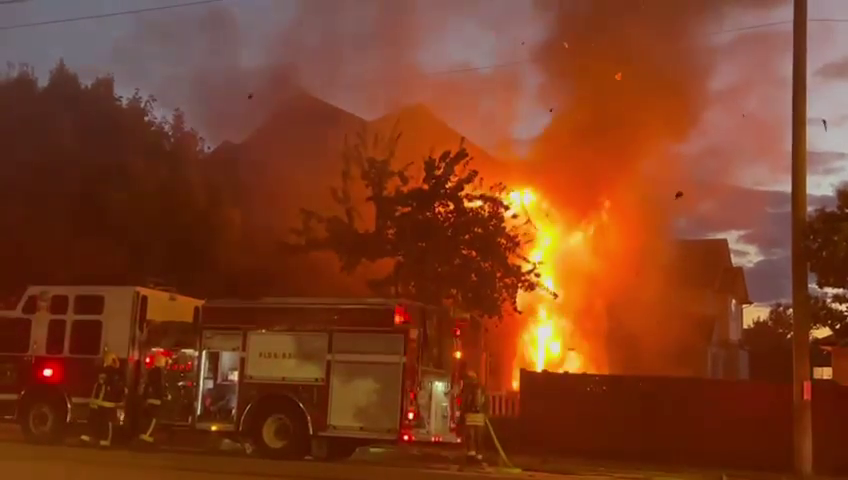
<point x="94" y="187"/>
<point x="827" y="243"/>
<point x="769" y="340"/>
<point x="449" y="240"/>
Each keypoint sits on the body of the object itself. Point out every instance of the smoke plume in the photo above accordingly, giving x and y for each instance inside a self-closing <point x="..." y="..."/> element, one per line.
<point x="624" y="86"/>
<point x="632" y="82"/>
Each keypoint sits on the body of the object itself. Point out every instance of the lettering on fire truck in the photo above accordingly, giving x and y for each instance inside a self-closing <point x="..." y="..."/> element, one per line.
<point x="276" y="355"/>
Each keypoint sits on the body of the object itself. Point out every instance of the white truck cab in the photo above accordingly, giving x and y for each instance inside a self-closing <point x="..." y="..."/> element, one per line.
<point x="52" y="339"/>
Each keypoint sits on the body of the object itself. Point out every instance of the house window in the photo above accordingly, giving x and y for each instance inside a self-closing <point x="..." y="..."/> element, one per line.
<point x="823" y="373"/>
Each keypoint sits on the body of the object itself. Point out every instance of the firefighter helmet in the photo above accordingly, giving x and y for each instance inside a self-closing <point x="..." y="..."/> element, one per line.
<point x="110" y="360"/>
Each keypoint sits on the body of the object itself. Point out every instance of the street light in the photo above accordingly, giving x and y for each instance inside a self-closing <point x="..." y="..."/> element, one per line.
<point x="801" y="398"/>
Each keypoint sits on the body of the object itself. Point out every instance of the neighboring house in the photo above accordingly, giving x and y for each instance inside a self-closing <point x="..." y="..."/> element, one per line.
<point x="713" y="293"/>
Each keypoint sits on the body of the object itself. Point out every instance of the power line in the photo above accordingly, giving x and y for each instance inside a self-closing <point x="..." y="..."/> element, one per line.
<point x="778" y="24"/>
<point x="119" y="13"/>
<point x="508" y="64"/>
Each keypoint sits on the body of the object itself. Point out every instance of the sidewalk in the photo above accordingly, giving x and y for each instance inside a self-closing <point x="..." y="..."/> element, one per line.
<point x="444" y="458"/>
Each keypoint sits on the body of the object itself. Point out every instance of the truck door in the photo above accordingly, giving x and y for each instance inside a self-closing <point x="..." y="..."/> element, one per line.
<point x="218" y="379"/>
<point x="366" y="384"/>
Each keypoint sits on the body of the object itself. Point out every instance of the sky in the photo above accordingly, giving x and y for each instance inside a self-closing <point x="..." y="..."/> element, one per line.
<point x="174" y="54"/>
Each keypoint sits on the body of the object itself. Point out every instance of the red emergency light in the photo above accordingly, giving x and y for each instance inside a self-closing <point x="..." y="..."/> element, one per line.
<point x="401" y="315"/>
<point x="49" y="373"/>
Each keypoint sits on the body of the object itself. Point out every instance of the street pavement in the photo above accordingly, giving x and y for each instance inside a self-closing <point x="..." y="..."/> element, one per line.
<point x="21" y="460"/>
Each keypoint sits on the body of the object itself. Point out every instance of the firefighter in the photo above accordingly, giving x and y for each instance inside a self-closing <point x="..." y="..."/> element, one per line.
<point x="107" y="394"/>
<point x="153" y="393"/>
<point x="473" y="420"/>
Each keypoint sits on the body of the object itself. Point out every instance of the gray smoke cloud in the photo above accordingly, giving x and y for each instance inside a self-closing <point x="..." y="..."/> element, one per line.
<point x="623" y="87"/>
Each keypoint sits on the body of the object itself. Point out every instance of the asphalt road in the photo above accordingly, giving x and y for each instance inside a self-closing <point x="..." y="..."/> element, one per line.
<point x="23" y="461"/>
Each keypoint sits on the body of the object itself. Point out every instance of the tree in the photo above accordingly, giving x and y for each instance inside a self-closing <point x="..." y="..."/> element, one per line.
<point x="827" y="252"/>
<point x="769" y="345"/>
<point x="94" y="187"/>
<point x="449" y="240"/>
<point x="769" y="340"/>
<point x="827" y="243"/>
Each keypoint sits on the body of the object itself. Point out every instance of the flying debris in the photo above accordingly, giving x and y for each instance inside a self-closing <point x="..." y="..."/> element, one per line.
<point x="618" y="76"/>
<point x="678" y="195"/>
<point x="824" y="124"/>
<point x="551" y="110"/>
<point x="565" y="44"/>
<point x="250" y="96"/>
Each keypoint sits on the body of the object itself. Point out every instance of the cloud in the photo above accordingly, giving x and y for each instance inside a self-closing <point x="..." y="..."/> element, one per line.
<point x="826" y="162"/>
<point x="834" y="70"/>
<point x="769" y="280"/>
<point x="758" y="224"/>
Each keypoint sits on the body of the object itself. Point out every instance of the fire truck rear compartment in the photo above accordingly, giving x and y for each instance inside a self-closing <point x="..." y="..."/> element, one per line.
<point x="366" y="385"/>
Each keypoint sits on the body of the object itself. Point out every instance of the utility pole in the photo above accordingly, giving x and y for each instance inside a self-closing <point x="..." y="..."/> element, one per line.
<point x="802" y="389"/>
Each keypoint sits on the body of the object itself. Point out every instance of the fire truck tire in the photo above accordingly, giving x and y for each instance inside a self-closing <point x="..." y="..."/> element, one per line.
<point x="43" y="421"/>
<point x="280" y="432"/>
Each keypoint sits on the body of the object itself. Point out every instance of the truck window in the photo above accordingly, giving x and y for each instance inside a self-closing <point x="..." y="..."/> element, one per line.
<point x="89" y="304"/>
<point x="85" y="338"/>
<point x="30" y="305"/>
<point x="170" y="335"/>
<point x="55" y="343"/>
<point x="59" y="305"/>
<point x="15" y="335"/>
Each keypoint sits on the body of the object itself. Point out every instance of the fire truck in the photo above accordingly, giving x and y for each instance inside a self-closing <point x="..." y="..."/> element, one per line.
<point x="292" y="377"/>
<point x="52" y="339"/>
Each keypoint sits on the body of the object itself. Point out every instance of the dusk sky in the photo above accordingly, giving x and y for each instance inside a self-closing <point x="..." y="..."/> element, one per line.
<point x="245" y="38"/>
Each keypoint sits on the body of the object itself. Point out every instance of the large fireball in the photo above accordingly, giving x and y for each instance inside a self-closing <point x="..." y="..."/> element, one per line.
<point x="549" y="340"/>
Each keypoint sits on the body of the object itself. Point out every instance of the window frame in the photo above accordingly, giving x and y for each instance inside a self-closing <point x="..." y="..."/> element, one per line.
<point x="64" y="336"/>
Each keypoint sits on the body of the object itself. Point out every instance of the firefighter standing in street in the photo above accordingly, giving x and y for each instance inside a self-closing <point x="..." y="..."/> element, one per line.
<point x="473" y="418"/>
<point x="153" y="394"/>
<point x="107" y="394"/>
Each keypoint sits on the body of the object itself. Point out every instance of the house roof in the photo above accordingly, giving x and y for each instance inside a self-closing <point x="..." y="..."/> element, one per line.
<point x="706" y="264"/>
<point x="829" y="342"/>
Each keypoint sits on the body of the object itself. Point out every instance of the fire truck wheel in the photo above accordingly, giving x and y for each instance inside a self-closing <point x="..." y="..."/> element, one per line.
<point x="281" y="433"/>
<point x="42" y="422"/>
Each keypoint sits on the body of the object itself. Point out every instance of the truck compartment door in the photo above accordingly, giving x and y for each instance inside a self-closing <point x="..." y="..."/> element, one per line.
<point x="366" y="383"/>
<point x="217" y="389"/>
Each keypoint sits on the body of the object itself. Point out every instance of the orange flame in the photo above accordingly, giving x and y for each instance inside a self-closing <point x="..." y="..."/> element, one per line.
<point x="549" y="327"/>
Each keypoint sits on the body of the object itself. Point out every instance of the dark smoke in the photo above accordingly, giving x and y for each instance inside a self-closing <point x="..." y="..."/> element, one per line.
<point x="635" y="79"/>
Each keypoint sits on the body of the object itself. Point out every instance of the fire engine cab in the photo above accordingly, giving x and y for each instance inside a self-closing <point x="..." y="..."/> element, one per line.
<point x="290" y="377"/>
<point x="52" y="339"/>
